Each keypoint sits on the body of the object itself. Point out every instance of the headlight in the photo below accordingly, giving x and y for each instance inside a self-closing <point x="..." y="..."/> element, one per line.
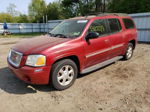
<point x="36" y="60"/>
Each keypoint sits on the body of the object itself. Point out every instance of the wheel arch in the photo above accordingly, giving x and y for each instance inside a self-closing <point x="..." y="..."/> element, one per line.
<point x="133" y="42"/>
<point x="74" y="58"/>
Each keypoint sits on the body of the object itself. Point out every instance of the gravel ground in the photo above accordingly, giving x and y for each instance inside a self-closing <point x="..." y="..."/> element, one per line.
<point x="120" y="87"/>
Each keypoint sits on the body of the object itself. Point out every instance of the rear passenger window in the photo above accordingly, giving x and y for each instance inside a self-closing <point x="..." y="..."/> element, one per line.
<point x="98" y="26"/>
<point x="128" y="23"/>
<point x="114" y="25"/>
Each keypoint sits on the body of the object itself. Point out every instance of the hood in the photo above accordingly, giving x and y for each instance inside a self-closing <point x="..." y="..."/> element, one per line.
<point x="38" y="44"/>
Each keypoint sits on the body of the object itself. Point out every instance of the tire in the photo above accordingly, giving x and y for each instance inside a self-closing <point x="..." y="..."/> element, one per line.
<point x="129" y="52"/>
<point x="63" y="74"/>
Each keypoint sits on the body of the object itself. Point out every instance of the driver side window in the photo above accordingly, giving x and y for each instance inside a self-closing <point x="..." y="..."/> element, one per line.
<point x="98" y="26"/>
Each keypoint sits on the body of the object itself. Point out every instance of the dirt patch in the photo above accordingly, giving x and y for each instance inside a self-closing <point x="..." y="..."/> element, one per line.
<point x="120" y="87"/>
<point x="124" y="72"/>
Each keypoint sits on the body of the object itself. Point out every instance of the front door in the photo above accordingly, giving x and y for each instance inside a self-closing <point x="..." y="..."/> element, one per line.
<point x="98" y="49"/>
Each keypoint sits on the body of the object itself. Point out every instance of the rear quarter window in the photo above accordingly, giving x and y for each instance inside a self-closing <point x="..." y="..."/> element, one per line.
<point x="129" y="24"/>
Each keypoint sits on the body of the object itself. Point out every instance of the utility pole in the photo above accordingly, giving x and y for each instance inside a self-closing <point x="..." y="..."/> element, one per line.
<point x="43" y="19"/>
<point x="46" y="19"/>
<point x="44" y="23"/>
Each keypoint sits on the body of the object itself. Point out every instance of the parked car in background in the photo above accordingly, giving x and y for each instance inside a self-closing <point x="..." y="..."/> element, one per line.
<point x="76" y="46"/>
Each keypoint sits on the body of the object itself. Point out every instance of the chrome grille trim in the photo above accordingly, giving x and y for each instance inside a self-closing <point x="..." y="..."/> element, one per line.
<point x="10" y="55"/>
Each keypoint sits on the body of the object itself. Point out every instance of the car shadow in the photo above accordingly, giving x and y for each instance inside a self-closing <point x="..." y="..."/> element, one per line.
<point x="11" y="84"/>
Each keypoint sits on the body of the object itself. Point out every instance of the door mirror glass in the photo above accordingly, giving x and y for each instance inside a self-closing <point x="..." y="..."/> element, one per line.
<point x="92" y="35"/>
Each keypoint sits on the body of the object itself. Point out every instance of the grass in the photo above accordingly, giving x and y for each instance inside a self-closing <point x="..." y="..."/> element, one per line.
<point x="21" y="35"/>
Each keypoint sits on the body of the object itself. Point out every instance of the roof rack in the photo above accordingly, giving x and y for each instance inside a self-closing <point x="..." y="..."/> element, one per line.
<point x="116" y="14"/>
<point x="105" y="14"/>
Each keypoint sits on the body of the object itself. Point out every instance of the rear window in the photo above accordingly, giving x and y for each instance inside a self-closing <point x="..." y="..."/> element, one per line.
<point x="128" y="23"/>
<point x="114" y="25"/>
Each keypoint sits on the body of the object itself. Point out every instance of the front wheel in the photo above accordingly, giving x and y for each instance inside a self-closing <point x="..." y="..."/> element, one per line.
<point x="63" y="74"/>
<point x="129" y="52"/>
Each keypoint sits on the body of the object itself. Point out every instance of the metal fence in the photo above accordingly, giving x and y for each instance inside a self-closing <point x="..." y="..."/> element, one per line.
<point x="142" y="21"/>
<point x="30" y="27"/>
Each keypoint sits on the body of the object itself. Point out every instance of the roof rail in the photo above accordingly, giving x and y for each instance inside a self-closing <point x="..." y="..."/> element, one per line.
<point x="105" y="14"/>
<point x="115" y="14"/>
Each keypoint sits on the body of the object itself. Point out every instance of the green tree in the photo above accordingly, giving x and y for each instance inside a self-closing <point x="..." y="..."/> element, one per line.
<point x="21" y="19"/>
<point x="81" y="7"/>
<point x="37" y="9"/>
<point x="69" y="8"/>
<point x="54" y="11"/>
<point x="98" y="5"/>
<point x="129" y="6"/>
<point x="5" y="17"/>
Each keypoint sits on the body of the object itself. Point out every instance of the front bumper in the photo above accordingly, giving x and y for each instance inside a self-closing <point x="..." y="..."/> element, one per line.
<point x="32" y="75"/>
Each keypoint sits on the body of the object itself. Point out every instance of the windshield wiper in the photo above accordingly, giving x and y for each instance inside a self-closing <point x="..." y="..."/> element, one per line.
<point x="51" y="34"/>
<point x="60" y="35"/>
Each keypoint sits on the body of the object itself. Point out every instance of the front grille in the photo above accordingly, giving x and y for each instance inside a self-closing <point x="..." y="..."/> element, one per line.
<point x="15" y="58"/>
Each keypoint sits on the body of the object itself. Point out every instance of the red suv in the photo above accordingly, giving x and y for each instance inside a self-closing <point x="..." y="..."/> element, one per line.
<point x="76" y="46"/>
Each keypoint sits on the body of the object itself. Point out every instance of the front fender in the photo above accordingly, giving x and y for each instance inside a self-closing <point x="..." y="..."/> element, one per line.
<point x="58" y="55"/>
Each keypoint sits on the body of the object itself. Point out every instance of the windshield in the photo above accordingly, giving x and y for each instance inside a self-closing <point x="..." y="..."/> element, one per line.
<point x="69" y="28"/>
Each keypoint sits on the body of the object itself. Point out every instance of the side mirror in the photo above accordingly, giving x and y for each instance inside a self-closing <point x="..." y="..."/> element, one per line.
<point x="92" y="35"/>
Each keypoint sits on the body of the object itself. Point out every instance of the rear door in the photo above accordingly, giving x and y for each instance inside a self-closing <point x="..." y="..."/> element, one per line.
<point x="97" y="50"/>
<point x="115" y="37"/>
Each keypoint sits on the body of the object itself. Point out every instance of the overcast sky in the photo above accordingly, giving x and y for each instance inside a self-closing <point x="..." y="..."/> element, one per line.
<point x="22" y="5"/>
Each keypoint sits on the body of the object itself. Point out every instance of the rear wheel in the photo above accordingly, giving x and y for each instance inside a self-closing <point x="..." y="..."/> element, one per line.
<point x="129" y="52"/>
<point x="63" y="74"/>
